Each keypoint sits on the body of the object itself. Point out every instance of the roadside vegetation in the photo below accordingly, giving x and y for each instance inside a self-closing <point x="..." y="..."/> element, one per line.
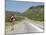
<point x="35" y="13"/>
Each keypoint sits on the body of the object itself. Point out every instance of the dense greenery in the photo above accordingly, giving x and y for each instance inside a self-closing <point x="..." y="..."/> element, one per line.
<point x="35" y="13"/>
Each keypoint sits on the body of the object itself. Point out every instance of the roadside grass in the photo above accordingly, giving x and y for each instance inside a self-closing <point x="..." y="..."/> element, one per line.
<point x="9" y="26"/>
<point x="37" y="17"/>
<point x="18" y="18"/>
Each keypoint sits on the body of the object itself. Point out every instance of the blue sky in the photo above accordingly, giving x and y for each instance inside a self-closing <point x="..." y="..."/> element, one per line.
<point x="20" y="5"/>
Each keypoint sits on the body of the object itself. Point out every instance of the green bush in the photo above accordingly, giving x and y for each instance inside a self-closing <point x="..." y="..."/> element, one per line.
<point x="19" y="18"/>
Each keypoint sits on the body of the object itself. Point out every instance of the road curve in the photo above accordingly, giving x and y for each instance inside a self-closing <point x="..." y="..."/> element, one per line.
<point x="27" y="26"/>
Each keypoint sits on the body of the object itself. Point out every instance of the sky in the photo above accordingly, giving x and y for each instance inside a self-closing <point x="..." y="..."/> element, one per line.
<point x="20" y="6"/>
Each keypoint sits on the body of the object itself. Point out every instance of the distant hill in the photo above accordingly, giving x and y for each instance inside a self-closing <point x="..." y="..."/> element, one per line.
<point x="12" y="12"/>
<point x="35" y="13"/>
